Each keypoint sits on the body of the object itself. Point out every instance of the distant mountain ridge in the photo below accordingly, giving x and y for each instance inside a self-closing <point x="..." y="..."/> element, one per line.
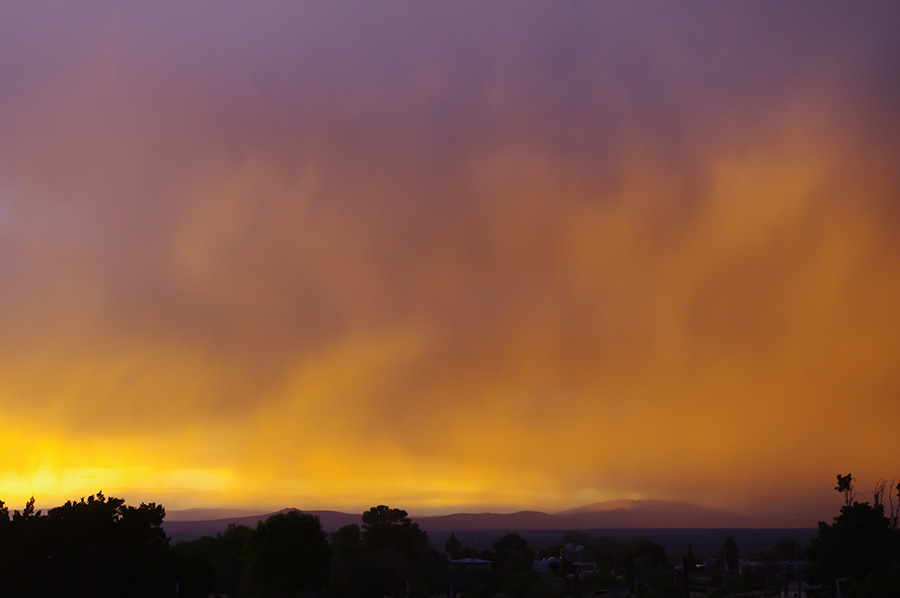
<point x="615" y="514"/>
<point x="629" y="504"/>
<point x="210" y="514"/>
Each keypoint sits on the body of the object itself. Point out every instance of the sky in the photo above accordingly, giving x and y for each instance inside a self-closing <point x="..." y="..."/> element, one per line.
<point x="449" y="256"/>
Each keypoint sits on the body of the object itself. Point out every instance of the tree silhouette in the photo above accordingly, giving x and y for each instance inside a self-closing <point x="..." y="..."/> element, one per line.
<point x="845" y="485"/>
<point x="96" y="547"/>
<point x="511" y="552"/>
<point x="288" y="555"/>
<point x="214" y="564"/>
<point x="397" y="554"/>
<point x="730" y="554"/>
<point x="348" y="576"/>
<point x="390" y="529"/>
<point x="785" y="550"/>
<point x="453" y="546"/>
<point x="861" y="544"/>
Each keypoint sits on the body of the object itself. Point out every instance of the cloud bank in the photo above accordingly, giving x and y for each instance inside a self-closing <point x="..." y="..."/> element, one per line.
<point x="449" y="255"/>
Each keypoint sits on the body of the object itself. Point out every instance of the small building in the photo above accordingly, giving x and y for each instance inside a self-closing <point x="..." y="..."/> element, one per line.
<point x="548" y="565"/>
<point x="472" y="563"/>
<point x="586" y="560"/>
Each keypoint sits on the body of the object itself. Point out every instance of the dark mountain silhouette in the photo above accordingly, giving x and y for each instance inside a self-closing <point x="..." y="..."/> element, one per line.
<point x="211" y="514"/>
<point x="489" y="521"/>
<point x="656" y="514"/>
<point x="617" y="514"/>
<point x="620" y="514"/>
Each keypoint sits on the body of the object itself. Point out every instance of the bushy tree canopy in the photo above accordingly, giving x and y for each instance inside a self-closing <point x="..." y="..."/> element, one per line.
<point x="97" y="546"/>
<point x="288" y="555"/>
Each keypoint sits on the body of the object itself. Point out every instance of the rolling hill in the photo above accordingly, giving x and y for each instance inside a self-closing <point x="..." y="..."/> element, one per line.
<point x="612" y="515"/>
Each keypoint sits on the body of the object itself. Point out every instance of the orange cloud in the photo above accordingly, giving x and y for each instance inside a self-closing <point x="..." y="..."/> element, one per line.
<point x="617" y="253"/>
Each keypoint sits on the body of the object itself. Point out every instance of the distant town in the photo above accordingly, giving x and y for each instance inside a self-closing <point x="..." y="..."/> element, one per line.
<point x="100" y="546"/>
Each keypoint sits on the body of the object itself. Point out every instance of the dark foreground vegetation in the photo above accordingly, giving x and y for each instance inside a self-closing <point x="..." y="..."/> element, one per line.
<point x="100" y="547"/>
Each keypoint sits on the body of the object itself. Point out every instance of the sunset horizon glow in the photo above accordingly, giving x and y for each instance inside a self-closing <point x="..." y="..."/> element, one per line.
<point x="449" y="257"/>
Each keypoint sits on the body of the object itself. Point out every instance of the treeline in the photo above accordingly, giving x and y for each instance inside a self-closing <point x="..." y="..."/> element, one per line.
<point x="859" y="552"/>
<point x="290" y="555"/>
<point x="389" y="555"/>
<point x="100" y="547"/>
<point x="96" y="547"/>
